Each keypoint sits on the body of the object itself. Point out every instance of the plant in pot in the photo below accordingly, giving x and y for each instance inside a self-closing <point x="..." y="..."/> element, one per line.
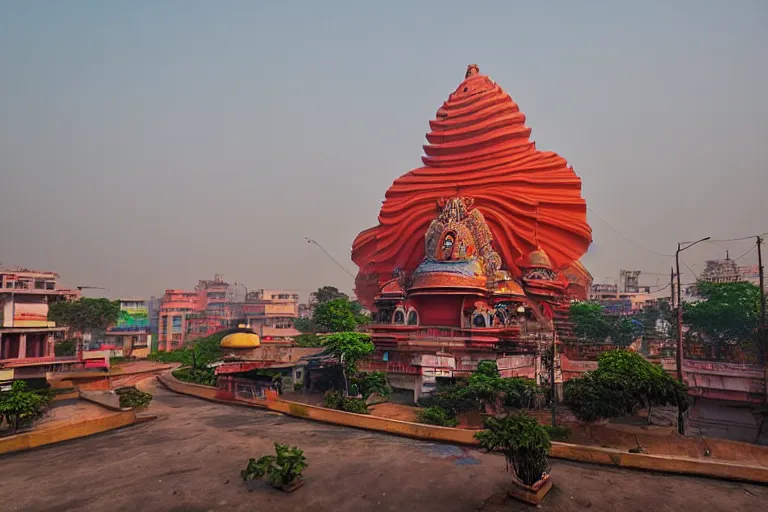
<point x="524" y="444"/>
<point x="282" y="470"/>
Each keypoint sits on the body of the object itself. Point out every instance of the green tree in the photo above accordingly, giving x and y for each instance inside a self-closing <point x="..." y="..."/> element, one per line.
<point x="350" y="348"/>
<point x="327" y="294"/>
<point x="305" y="325"/>
<point x="335" y="315"/>
<point x="22" y="405"/>
<point x="729" y="313"/>
<point x="308" y="340"/>
<point x="85" y="315"/>
<point x="589" y="322"/>
<point x="623" y="382"/>
<point x="523" y="442"/>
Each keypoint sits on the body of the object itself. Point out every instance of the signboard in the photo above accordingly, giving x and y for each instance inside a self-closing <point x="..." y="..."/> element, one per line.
<point x="27" y="314"/>
<point x="133" y="319"/>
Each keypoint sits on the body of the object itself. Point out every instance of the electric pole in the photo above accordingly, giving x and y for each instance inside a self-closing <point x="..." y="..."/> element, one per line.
<point x="763" y="338"/>
<point x="679" y="317"/>
<point x="680" y="417"/>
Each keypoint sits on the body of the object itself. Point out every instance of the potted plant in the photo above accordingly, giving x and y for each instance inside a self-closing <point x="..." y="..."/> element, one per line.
<point x="524" y="444"/>
<point x="282" y="470"/>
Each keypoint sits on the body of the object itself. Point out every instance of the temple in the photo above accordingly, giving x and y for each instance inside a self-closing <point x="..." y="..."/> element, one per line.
<point x="476" y="254"/>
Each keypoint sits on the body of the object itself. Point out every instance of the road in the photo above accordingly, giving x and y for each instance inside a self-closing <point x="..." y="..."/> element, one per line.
<point x="189" y="459"/>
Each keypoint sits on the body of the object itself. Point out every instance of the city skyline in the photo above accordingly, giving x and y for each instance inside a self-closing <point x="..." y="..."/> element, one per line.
<point x="144" y="148"/>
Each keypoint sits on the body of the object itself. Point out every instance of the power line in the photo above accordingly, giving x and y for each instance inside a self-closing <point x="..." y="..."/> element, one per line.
<point x="628" y="239"/>
<point x="738" y="239"/>
<point x="749" y="251"/>
<point x="689" y="268"/>
<point x="310" y="241"/>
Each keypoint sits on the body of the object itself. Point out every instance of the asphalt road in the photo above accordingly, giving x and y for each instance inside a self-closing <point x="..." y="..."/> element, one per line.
<point x="189" y="459"/>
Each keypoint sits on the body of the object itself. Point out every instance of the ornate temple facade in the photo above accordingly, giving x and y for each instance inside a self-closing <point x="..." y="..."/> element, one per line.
<point x="476" y="254"/>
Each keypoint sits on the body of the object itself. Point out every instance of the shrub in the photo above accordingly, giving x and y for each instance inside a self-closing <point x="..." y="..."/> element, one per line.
<point x="623" y="382"/>
<point x="308" y="340"/>
<point x="333" y="399"/>
<point x="21" y="406"/>
<point x="133" y="398"/>
<point x="203" y="376"/>
<point x="558" y="433"/>
<point x="356" y="405"/>
<point x="435" y="415"/>
<point x="281" y="469"/>
<point x="374" y="382"/>
<point x="519" y="393"/>
<point x="524" y="443"/>
<point x="65" y="348"/>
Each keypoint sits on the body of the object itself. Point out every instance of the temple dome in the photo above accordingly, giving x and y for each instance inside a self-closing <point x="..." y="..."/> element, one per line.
<point x="240" y="340"/>
<point x="539" y="259"/>
<point x="510" y="287"/>
<point x="478" y="147"/>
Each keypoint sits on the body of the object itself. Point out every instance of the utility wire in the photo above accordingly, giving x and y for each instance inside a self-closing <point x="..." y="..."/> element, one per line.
<point x="738" y="239"/>
<point x="628" y="239"/>
<point x="310" y="241"/>
<point x="749" y="251"/>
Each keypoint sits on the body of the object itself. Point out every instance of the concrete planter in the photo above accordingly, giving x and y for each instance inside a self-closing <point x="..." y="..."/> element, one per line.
<point x="531" y="494"/>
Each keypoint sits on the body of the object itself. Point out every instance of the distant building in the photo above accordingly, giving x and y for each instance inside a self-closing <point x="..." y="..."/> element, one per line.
<point x="132" y="332"/>
<point x="721" y="271"/>
<point x="175" y="307"/>
<point x="26" y="336"/>
<point x="271" y="313"/>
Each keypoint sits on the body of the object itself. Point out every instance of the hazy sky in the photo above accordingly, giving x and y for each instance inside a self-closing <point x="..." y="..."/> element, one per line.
<point x="148" y="144"/>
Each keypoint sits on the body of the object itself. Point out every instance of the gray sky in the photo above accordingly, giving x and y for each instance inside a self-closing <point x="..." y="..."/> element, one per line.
<point x="145" y="144"/>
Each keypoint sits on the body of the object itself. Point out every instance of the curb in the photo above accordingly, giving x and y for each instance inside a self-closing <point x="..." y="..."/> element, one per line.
<point x="68" y="431"/>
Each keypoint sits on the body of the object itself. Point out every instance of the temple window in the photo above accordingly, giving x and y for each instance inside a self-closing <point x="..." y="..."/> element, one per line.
<point x="399" y="317"/>
<point x="413" y="317"/>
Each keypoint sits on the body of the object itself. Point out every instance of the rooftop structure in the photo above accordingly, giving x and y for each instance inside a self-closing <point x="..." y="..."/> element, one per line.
<point x="26" y="335"/>
<point x="476" y="251"/>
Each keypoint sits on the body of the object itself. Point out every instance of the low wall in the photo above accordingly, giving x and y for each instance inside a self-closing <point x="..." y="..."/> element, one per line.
<point x="64" y="432"/>
<point x="204" y="392"/>
<point x="364" y="421"/>
<point x="96" y="381"/>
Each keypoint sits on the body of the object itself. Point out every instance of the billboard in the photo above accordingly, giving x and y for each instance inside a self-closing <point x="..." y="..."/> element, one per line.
<point x="30" y="314"/>
<point x="132" y="319"/>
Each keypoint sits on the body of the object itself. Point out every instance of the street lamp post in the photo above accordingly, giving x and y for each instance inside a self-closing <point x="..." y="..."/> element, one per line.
<point x="680" y="420"/>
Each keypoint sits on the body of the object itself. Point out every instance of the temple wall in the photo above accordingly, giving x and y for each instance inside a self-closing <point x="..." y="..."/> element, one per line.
<point x="441" y="311"/>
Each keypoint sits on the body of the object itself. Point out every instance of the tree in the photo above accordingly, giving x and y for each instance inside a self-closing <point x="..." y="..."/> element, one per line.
<point x="623" y="382"/>
<point x="327" y="294"/>
<point x="523" y="442"/>
<point x="589" y="322"/>
<point x="729" y="313"/>
<point x="305" y="325"/>
<point x="336" y="315"/>
<point x="349" y="347"/>
<point x="21" y="405"/>
<point x="85" y="315"/>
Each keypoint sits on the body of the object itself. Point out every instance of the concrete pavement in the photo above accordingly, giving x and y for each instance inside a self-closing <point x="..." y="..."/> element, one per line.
<point x="189" y="459"/>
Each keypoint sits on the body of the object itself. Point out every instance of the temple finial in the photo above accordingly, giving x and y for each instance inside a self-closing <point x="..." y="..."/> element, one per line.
<point x="472" y="69"/>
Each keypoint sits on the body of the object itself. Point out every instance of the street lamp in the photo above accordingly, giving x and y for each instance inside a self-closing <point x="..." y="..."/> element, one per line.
<point x="680" y="424"/>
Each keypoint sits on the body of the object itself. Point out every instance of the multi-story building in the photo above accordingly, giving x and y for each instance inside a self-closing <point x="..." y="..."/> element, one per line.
<point x="271" y="313"/>
<point x="188" y="315"/>
<point x="132" y="332"/>
<point x="175" y="307"/>
<point x="26" y="335"/>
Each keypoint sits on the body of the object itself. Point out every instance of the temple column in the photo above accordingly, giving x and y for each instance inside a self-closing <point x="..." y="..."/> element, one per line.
<point x="22" y="346"/>
<point x="49" y="346"/>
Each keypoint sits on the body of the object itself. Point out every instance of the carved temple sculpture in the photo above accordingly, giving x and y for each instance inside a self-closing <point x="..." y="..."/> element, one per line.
<point x="477" y="251"/>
